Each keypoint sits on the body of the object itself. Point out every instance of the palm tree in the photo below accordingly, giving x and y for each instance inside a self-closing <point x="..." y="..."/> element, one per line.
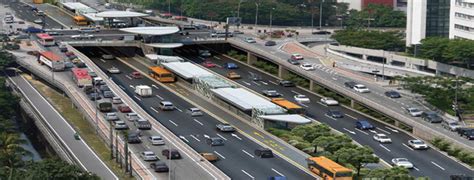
<point x="11" y="152"/>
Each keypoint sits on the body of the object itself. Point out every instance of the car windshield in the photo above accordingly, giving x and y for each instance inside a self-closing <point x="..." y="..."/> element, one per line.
<point x="301" y="96"/>
<point x="418" y="142"/>
<point x="402" y="160"/>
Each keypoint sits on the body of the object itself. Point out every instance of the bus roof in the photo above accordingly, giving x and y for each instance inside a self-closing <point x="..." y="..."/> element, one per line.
<point x="81" y="73"/>
<point x="159" y="70"/>
<point x="44" y="36"/>
<point x="285" y="103"/>
<point x="50" y="55"/>
<point x="329" y="164"/>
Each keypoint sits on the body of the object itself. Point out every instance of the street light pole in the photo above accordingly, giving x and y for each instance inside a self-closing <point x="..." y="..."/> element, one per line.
<point x="383" y="66"/>
<point x="271" y="19"/>
<point x="169" y="7"/>
<point x="256" y="18"/>
<point x="312" y="21"/>
<point x="321" y="14"/>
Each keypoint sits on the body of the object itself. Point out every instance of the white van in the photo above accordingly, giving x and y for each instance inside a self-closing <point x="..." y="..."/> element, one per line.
<point x="166" y="106"/>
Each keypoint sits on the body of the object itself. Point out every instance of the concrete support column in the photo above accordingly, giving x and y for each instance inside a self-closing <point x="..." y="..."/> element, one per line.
<point x="352" y="103"/>
<point x="364" y="56"/>
<point x="251" y="58"/>
<point x="282" y="72"/>
<point x="311" y="85"/>
<point x="397" y="123"/>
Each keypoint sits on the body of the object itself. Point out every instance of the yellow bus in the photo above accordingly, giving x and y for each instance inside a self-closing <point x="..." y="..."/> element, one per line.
<point x="161" y="74"/>
<point x="328" y="169"/>
<point x="292" y="108"/>
<point x="80" y="20"/>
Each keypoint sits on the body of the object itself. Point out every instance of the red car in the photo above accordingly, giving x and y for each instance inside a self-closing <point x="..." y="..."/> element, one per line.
<point x="69" y="53"/>
<point x="208" y="64"/>
<point x="136" y="75"/>
<point x="124" y="109"/>
<point x="297" y="56"/>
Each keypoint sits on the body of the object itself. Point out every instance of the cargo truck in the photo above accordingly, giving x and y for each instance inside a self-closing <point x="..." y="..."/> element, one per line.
<point x="143" y="90"/>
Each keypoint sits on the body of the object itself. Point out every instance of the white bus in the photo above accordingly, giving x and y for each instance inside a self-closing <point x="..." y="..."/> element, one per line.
<point x="51" y="60"/>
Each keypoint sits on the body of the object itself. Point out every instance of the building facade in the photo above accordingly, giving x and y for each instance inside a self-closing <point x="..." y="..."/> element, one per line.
<point x="427" y="18"/>
<point x="462" y="19"/>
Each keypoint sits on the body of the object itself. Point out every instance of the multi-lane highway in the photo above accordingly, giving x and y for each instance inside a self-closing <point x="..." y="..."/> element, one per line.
<point x="237" y="157"/>
<point x="24" y="12"/>
<point x="429" y="163"/>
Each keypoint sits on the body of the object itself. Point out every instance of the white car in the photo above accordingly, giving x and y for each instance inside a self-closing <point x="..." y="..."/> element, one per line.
<point x="38" y="21"/>
<point x="307" y="67"/>
<point x="302" y="98"/>
<point x="402" y="162"/>
<point x="329" y="101"/>
<point x="148" y="156"/>
<point x="156" y="140"/>
<point x="250" y="40"/>
<point x="417" y="144"/>
<point x="414" y="112"/>
<point x="382" y="138"/>
<point x="114" y="70"/>
<point x="361" y="88"/>
<point x="132" y="116"/>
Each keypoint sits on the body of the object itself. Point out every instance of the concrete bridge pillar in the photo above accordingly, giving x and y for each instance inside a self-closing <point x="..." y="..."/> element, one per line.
<point x="282" y="72"/>
<point x="352" y="103"/>
<point x="311" y="85"/>
<point x="251" y="58"/>
<point x="364" y="56"/>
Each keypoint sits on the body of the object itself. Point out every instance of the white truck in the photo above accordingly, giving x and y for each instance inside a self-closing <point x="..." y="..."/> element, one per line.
<point x="143" y="90"/>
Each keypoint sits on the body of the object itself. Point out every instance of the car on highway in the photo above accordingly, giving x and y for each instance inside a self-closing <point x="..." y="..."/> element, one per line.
<point x="107" y="57"/>
<point x="270" y="43"/>
<point x="120" y="125"/>
<point x="361" y="88"/>
<point x="293" y="62"/>
<point x="271" y="93"/>
<point x="413" y="111"/>
<point x="148" y="156"/>
<point x="159" y="166"/>
<point x="194" y="112"/>
<point x="132" y="116"/>
<point x="38" y="21"/>
<point x="469" y="134"/>
<point x="82" y="36"/>
<point x="124" y="109"/>
<point x="364" y="125"/>
<point x="231" y="66"/>
<point x="350" y="84"/>
<point x="307" y="67"/>
<point x="382" y="138"/>
<point x="450" y="125"/>
<point x="113" y="70"/>
<point x="211" y="157"/>
<point x="302" y="98"/>
<point x="54" y="33"/>
<point x="249" y="40"/>
<point x="392" y="94"/>
<point x="136" y="75"/>
<point x="263" y="153"/>
<point x="224" y="127"/>
<point x="329" y="101"/>
<point x="208" y="64"/>
<point x="321" y="32"/>
<point x="134" y="138"/>
<point x="417" y="144"/>
<point x="156" y="140"/>
<point x="335" y="113"/>
<point x="286" y="83"/>
<point x="111" y="116"/>
<point x="204" y="53"/>
<point x="233" y="75"/>
<point x="171" y="154"/>
<point x="296" y="56"/>
<point x="94" y="96"/>
<point x="166" y="106"/>
<point x="116" y="100"/>
<point x="91" y="73"/>
<point x="103" y="88"/>
<point x="89" y="30"/>
<point x="215" y="141"/>
<point x="108" y="94"/>
<point x="431" y="117"/>
<point x="142" y="124"/>
<point x="402" y="162"/>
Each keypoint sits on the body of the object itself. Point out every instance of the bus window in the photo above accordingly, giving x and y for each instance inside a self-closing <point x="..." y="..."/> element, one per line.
<point x="328" y="169"/>
<point x="161" y="74"/>
<point x="80" y="20"/>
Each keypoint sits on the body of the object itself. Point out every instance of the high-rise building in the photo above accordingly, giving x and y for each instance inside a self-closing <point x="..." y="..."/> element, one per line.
<point x="462" y="19"/>
<point x="426" y="18"/>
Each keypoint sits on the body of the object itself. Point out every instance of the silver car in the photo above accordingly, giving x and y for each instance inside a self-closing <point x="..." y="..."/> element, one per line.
<point x="195" y="112"/>
<point x="111" y="116"/>
<point x="132" y="116"/>
<point x="156" y="140"/>
<point x="148" y="156"/>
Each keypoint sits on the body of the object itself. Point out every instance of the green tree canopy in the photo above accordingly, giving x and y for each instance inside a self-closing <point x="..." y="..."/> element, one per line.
<point x="356" y="157"/>
<point x="57" y="169"/>
<point x="390" y="174"/>
<point x="433" y="48"/>
<point x="377" y="16"/>
<point x="6" y="59"/>
<point x="390" y="40"/>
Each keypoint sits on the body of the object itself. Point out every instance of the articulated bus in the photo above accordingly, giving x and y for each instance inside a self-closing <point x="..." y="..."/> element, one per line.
<point x="328" y="169"/>
<point x="161" y="74"/>
<point x="45" y="39"/>
<point x="80" y="20"/>
<point x="292" y="108"/>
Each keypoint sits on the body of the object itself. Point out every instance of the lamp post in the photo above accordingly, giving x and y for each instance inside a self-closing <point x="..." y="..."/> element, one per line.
<point x="238" y="12"/>
<point x="320" y="14"/>
<point x="256" y="18"/>
<point x="383" y="66"/>
<point x="271" y="19"/>
<point x="169" y="7"/>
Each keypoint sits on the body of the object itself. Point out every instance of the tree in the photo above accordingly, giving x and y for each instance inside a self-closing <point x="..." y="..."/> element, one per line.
<point x="390" y="174"/>
<point x="356" y="157"/>
<point x="390" y="40"/>
<point x="311" y="131"/>
<point x="5" y="59"/>
<point x="332" y="143"/>
<point x="11" y="153"/>
<point x="460" y="50"/>
<point x="433" y="48"/>
<point x="56" y="169"/>
<point x="377" y="16"/>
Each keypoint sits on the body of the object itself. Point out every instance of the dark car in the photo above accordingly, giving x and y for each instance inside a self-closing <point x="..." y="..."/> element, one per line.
<point x="103" y="88"/>
<point x="322" y="32"/>
<point x="334" y="113"/>
<point x="431" y="117"/>
<point x="215" y="141"/>
<point x="173" y="153"/>
<point x="134" y="138"/>
<point x="294" y="62"/>
<point x="393" y="94"/>
<point x="286" y="83"/>
<point x="469" y="134"/>
<point x="461" y="131"/>
<point x="231" y="66"/>
<point x="270" y="43"/>
<point x="271" y="93"/>
<point x="89" y="89"/>
<point x="350" y="84"/>
<point x="364" y="125"/>
<point x="264" y="153"/>
<point x="108" y="94"/>
<point x="159" y="166"/>
<point x="94" y="96"/>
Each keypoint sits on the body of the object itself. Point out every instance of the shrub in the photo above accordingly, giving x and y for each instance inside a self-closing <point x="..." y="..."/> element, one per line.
<point x="454" y="151"/>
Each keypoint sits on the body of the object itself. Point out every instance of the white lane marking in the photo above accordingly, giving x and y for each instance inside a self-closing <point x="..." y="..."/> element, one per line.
<point x="263" y="82"/>
<point x="256" y="83"/>
<point x="350" y="116"/>
<point x="172" y="122"/>
<point x="137" y="98"/>
<point x="156" y="87"/>
<point x="349" y="131"/>
<point x="391" y="129"/>
<point x="178" y="109"/>
<point x="200" y="123"/>
<point x="322" y="104"/>
<point x="248" y="153"/>
<point x="363" y="132"/>
<point x="245" y="172"/>
<point x="383" y="130"/>
<point x="219" y="154"/>
<point x="407" y="146"/>
<point x="194" y="137"/>
<point x="132" y="87"/>
<point x="152" y="108"/>
<point x="102" y="60"/>
<point x="184" y="139"/>
<point x="384" y="147"/>
<point x="222" y="137"/>
<point x="416" y="168"/>
<point x="304" y="105"/>
<point x="235" y="135"/>
<point x="437" y="165"/>
<point x="273" y="82"/>
<point x="335" y="79"/>
<point x="121" y="87"/>
<point x="217" y="57"/>
<point x="295" y="92"/>
<point x="128" y="77"/>
<point x="158" y="96"/>
<point x="373" y="131"/>
<point x="248" y="84"/>
<point x="330" y="117"/>
<point x="277" y="172"/>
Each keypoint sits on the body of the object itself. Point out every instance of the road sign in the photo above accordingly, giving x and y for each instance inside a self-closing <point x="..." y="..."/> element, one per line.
<point x="233" y="21"/>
